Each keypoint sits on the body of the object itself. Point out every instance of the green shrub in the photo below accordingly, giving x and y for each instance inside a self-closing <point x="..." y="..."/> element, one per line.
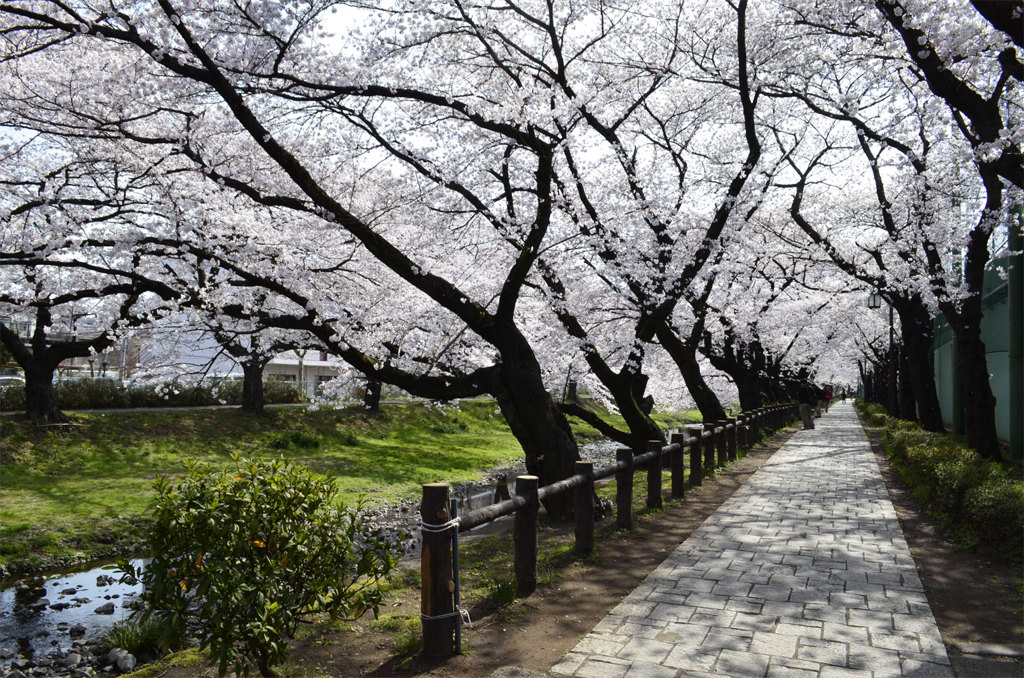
<point x="12" y="398"/>
<point x="873" y="413"/>
<point x="140" y="637"/>
<point x="302" y="440"/>
<point x="276" y="391"/>
<point x="996" y="509"/>
<point x="977" y="498"/>
<point x="251" y="552"/>
<point x="83" y="394"/>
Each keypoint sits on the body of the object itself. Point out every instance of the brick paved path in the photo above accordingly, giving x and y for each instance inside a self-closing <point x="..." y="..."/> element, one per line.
<point x="804" y="571"/>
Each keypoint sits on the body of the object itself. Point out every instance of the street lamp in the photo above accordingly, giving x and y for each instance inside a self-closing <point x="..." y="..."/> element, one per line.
<point x="875" y="302"/>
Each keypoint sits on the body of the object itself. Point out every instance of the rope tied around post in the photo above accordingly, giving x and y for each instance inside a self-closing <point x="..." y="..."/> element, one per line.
<point x="440" y="527"/>
<point x="459" y="612"/>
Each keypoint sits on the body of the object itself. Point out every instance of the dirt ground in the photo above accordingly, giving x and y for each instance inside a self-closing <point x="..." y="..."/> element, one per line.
<point x="973" y="596"/>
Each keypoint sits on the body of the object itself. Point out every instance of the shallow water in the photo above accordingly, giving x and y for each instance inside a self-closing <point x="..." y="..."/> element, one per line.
<point x="31" y="628"/>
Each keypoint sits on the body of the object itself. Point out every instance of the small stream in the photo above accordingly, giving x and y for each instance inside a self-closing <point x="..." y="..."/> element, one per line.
<point x="43" y="613"/>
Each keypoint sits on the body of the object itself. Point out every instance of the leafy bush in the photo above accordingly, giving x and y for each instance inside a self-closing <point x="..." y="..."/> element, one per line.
<point x="250" y="553"/>
<point x="82" y="394"/>
<point x="873" y="413"/>
<point x="303" y="440"/>
<point x="104" y="393"/>
<point x="977" y="497"/>
<point x="12" y="398"/>
<point x="140" y="637"/>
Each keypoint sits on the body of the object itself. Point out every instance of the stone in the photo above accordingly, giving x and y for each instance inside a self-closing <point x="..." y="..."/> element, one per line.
<point x="77" y="631"/>
<point x="105" y="609"/>
<point x="59" y="606"/>
<point x="122" y="660"/>
<point x="104" y="580"/>
<point x="16" y="674"/>
<point x="69" y="592"/>
<point x="71" y="660"/>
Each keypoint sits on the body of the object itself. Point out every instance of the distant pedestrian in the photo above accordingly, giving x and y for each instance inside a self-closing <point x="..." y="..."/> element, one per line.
<point x="827" y="399"/>
<point x="819" y="397"/>
<point x="804" y="397"/>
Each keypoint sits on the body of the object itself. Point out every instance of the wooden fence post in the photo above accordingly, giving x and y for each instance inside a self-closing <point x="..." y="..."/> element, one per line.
<point x="584" y="509"/>
<point x="743" y="429"/>
<point x="709" y="448"/>
<point x="722" y="442"/>
<point x="731" y="433"/>
<point x="696" y="470"/>
<point x="676" y="464"/>
<point x="524" y="534"/>
<point x="624" y="489"/>
<point x="654" y="475"/>
<point x="755" y="426"/>
<point x="437" y="588"/>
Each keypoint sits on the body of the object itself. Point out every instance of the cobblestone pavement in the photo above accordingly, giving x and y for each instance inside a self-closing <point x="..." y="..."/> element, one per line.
<point x="804" y="572"/>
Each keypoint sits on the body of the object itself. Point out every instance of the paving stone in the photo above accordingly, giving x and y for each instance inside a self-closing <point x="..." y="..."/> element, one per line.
<point x="645" y="649"/>
<point x="601" y="668"/>
<point x="649" y="670"/>
<point x="733" y="663"/>
<point x="773" y="644"/>
<point x="823" y="651"/>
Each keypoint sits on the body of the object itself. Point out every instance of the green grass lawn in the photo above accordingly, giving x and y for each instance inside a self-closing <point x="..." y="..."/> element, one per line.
<point x="79" y="492"/>
<point x="84" y="492"/>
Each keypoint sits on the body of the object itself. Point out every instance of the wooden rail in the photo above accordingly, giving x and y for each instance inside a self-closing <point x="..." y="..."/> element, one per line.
<point x="709" y="447"/>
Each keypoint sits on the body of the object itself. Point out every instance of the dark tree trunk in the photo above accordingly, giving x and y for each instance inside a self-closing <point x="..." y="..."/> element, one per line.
<point x="540" y="427"/>
<point x="684" y="355"/>
<point x="371" y="396"/>
<point x="40" y="397"/>
<point x="749" y="388"/>
<point x="979" y="401"/>
<point x="908" y="403"/>
<point x="627" y="391"/>
<point x="252" y="386"/>
<point x="916" y="332"/>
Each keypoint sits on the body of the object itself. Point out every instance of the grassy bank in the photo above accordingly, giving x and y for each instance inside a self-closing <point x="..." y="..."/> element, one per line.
<point x="83" y="493"/>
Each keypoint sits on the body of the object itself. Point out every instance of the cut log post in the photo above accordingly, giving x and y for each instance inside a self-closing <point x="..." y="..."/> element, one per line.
<point x="676" y="464"/>
<point x="722" y="442"/>
<point x="624" y="489"/>
<point x="437" y="587"/>
<point x="731" y="433"/>
<point x="524" y="534"/>
<point x="709" y="449"/>
<point x="584" y="509"/>
<point x="654" y="476"/>
<point x="696" y="452"/>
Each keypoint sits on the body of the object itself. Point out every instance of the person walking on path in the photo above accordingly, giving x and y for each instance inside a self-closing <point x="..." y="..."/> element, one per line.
<point x="804" y="571"/>
<point x="804" y="398"/>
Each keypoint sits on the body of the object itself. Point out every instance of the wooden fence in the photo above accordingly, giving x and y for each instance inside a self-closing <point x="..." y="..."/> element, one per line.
<point x="710" y="446"/>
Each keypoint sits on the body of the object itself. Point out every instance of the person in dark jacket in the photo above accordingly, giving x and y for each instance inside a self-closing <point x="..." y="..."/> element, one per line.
<point x="805" y="396"/>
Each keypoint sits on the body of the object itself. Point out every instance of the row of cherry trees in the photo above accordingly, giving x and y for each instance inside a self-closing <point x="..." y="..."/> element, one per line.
<point x="462" y="198"/>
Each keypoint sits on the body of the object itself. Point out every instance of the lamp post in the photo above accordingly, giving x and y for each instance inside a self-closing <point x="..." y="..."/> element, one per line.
<point x="874" y="302"/>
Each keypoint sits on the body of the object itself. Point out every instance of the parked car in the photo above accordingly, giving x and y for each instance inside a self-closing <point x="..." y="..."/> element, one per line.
<point x="11" y="380"/>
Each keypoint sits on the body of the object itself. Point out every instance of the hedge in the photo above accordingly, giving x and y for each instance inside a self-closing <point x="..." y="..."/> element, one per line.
<point x="981" y="500"/>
